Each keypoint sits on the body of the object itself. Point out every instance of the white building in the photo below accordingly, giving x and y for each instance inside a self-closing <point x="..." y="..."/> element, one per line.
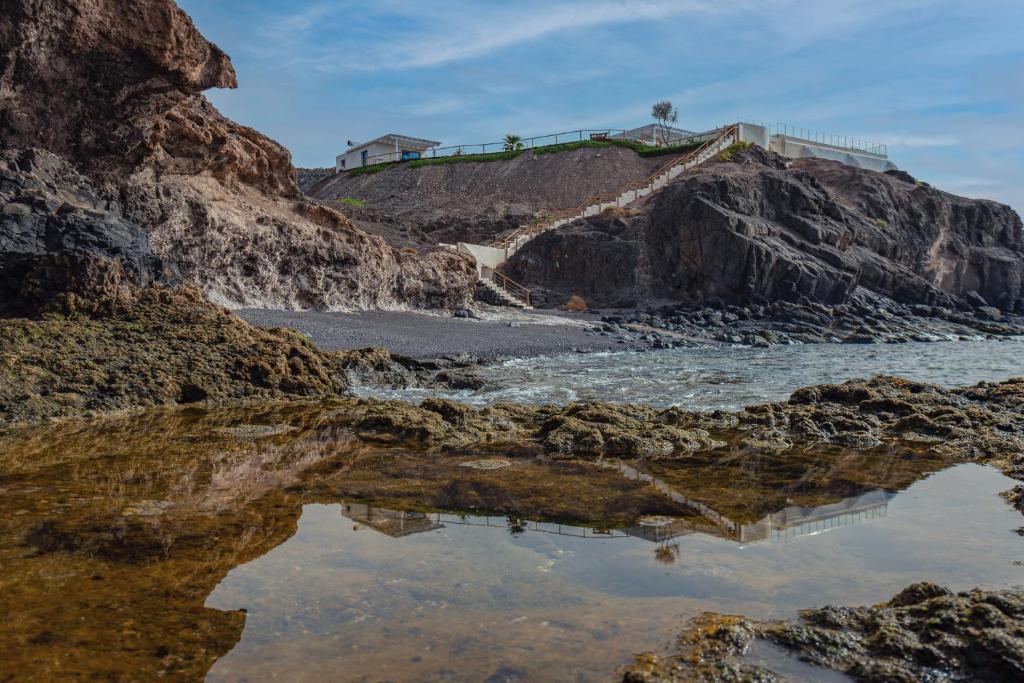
<point x="390" y="147"/>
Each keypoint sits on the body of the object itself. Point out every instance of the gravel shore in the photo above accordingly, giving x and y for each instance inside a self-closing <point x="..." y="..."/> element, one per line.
<point x="432" y="336"/>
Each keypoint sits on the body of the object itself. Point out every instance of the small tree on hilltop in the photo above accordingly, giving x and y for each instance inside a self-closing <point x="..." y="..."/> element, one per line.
<point x="664" y="113"/>
<point x="513" y="143"/>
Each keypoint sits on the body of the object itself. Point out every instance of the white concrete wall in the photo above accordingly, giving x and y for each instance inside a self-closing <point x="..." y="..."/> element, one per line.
<point x="487" y="258"/>
<point x="354" y="159"/>
<point x="754" y="134"/>
<point x="797" y="148"/>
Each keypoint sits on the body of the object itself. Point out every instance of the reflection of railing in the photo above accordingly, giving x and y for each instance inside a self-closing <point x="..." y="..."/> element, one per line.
<point x="784" y="524"/>
<point x="543" y="527"/>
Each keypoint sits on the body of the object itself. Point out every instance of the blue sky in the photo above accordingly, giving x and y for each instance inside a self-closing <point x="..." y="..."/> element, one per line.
<point x="940" y="81"/>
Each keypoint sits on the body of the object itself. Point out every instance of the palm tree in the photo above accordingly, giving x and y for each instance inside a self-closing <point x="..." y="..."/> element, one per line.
<point x="513" y="143"/>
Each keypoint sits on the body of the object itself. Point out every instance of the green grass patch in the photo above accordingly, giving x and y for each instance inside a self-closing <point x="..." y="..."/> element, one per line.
<point x="641" y="149"/>
<point x="638" y="147"/>
<point x="462" y="158"/>
<point x="352" y="201"/>
<point x="726" y="154"/>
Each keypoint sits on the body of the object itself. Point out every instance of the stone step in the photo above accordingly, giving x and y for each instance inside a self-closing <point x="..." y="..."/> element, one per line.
<point x="501" y="296"/>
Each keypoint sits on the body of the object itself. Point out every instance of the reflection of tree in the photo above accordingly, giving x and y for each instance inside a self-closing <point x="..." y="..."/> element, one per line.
<point x="516" y="525"/>
<point x="666" y="553"/>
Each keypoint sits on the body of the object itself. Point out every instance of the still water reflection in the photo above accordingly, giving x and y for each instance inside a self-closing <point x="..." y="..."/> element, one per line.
<point x="365" y="593"/>
<point x="267" y="542"/>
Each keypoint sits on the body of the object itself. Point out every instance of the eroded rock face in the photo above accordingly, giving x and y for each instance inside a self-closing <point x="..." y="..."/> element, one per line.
<point x="114" y="87"/>
<point x="757" y="228"/>
<point x="118" y="86"/>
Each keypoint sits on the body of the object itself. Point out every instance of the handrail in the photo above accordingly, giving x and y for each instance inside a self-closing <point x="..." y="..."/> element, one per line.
<point x="603" y="197"/>
<point x="512" y="287"/>
<point x="528" y="143"/>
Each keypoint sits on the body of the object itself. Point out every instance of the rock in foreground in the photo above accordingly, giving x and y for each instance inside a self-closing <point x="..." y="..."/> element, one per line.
<point x="925" y="633"/>
<point x="157" y="347"/>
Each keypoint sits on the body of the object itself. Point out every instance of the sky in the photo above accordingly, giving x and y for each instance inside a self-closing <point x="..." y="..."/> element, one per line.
<point x="941" y="82"/>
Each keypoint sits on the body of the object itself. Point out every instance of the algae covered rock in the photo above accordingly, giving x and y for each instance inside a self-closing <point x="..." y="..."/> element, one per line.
<point x="925" y="632"/>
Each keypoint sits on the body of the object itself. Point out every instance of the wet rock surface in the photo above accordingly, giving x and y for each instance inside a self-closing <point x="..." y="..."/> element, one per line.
<point x="154" y="347"/>
<point x="984" y="423"/>
<point x="925" y="632"/>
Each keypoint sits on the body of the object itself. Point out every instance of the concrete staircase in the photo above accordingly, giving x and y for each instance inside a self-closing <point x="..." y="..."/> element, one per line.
<point x="490" y="257"/>
<point x="490" y="292"/>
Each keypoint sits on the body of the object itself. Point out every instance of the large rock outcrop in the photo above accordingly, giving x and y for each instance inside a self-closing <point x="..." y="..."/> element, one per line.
<point x="114" y="87"/>
<point x="758" y="228"/>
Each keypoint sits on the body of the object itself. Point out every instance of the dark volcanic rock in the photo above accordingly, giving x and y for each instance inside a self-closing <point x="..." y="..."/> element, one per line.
<point x="57" y="236"/>
<point x="758" y="229"/>
<point x="600" y="259"/>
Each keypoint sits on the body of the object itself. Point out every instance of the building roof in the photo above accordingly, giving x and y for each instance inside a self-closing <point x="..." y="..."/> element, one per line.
<point x="400" y="139"/>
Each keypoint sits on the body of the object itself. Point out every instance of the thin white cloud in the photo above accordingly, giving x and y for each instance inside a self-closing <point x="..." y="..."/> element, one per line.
<point x="463" y="31"/>
<point x="916" y="140"/>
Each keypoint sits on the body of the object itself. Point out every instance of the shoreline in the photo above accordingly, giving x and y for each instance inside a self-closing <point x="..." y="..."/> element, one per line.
<point x="490" y="334"/>
<point x="425" y="336"/>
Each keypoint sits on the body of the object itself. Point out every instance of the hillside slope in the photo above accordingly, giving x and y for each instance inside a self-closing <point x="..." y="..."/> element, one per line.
<point x="476" y="201"/>
<point x="759" y="228"/>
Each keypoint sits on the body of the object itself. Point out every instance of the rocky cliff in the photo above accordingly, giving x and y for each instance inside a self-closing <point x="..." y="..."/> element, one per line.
<point x="114" y="87"/>
<point x="757" y="228"/>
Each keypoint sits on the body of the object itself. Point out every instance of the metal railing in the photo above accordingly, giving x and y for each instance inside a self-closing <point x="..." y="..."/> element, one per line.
<point x="821" y="137"/>
<point x="513" y="288"/>
<point x="580" y="135"/>
<point x="554" y="217"/>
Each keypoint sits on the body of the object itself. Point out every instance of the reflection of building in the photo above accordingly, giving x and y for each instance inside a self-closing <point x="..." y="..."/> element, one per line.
<point x="391" y="522"/>
<point x="796" y="520"/>
<point x="789" y="522"/>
